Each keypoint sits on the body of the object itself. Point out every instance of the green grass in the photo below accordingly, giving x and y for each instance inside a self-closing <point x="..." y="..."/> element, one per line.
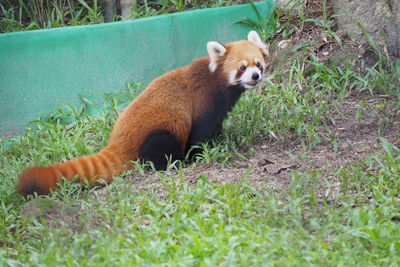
<point x="25" y="15"/>
<point x="212" y="224"/>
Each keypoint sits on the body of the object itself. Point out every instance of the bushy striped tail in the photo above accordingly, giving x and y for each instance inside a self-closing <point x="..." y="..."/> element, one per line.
<point x="104" y="165"/>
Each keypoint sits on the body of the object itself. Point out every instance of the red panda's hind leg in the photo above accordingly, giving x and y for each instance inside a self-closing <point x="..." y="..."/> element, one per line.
<point x="160" y="147"/>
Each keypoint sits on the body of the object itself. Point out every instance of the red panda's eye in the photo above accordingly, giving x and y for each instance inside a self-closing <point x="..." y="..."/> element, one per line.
<point x="258" y="65"/>
<point x="243" y="67"/>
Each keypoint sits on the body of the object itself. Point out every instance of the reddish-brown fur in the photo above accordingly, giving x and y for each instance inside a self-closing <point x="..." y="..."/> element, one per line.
<point x="171" y="102"/>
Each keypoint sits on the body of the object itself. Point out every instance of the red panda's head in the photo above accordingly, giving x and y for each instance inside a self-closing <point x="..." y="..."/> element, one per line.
<point x="242" y="62"/>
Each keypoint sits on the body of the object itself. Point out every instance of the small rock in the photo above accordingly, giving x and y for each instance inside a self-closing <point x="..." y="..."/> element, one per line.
<point x="283" y="44"/>
<point x="264" y="162"/>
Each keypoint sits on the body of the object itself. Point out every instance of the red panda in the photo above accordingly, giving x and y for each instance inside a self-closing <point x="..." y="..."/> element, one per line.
<point x="176" y="111"/>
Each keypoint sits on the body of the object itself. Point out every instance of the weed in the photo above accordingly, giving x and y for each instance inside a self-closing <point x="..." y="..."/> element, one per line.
<point x="326" y="23"/>
<point x="382" y="79"/>
<point x="273" y="25"/>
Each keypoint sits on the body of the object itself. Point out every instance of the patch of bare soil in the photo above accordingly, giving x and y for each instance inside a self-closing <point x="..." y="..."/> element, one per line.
<point x="272" y="165"/>
<point x="57" y="214"/>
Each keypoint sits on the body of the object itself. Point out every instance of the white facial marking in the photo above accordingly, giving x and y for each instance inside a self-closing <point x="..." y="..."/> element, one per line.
<point x="247" y="86"/>
<point x="246" y="78"/>
<point x="215" y="51"/>
<point x="232" y="77"/>
<point x="244" y="63"/>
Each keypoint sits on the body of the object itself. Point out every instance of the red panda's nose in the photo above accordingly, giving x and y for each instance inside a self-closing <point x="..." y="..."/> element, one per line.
<point x="255" y="76"/>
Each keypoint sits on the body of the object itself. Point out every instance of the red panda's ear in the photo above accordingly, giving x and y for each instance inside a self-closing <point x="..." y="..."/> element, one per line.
<point x="254" y="38"/>
<point x="215" y="51"/>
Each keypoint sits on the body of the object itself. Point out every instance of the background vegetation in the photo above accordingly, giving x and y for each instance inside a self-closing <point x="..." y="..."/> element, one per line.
<point x="21" y="15"/>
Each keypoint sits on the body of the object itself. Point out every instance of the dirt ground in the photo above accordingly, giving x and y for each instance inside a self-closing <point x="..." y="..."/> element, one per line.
<point x="272" y="165"/>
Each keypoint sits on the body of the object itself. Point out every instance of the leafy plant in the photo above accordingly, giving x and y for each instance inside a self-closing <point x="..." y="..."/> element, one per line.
<point x="270" y="25"/>
<point x="326" y="23"/>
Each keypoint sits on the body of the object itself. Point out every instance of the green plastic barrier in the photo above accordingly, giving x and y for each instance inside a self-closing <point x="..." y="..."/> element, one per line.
<point x="45" y="69"/>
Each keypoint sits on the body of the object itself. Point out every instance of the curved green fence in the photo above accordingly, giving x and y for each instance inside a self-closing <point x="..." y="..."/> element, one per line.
<point x="45" y="69"/>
